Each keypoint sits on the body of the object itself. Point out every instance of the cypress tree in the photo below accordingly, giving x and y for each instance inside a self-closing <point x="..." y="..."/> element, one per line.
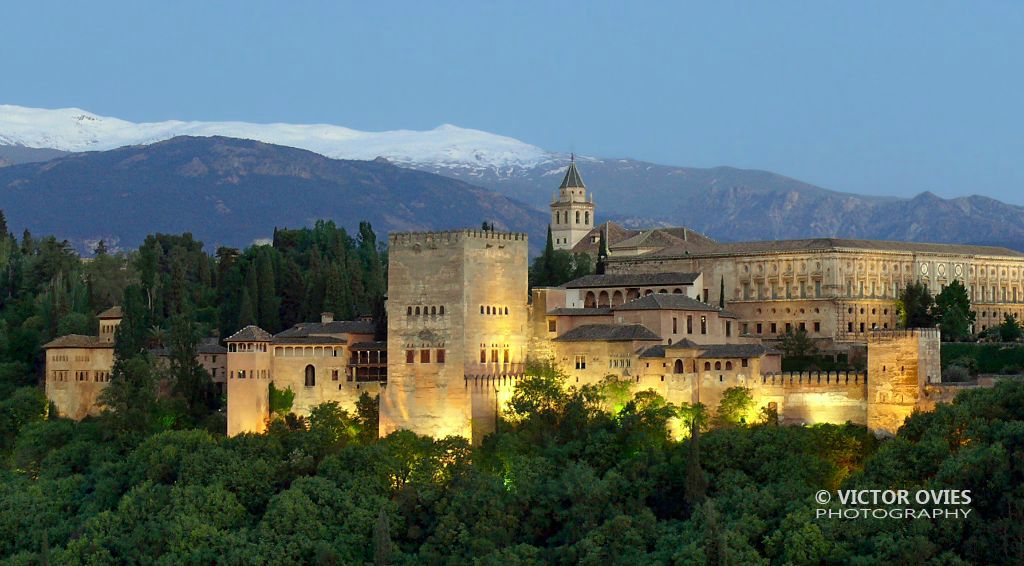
<point x="721" y="294"/>
<point x="602" y="254"/>
<point x="269" y="317"/>
<point x="246" y="316"/>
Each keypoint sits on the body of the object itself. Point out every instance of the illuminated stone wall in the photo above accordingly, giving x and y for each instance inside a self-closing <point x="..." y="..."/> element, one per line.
<point x="480" y="280"/>
<point x="249" y="397"/>
<point x="75" y="398"/>
<point x="901" y="364"/>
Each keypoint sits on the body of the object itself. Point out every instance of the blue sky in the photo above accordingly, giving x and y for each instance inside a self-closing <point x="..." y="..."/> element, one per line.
<point x="873" y="97"/>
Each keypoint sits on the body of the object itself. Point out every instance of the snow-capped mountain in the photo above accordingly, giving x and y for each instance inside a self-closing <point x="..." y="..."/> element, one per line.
<point x="447" y="146"/>
<point x="723" y="202"/>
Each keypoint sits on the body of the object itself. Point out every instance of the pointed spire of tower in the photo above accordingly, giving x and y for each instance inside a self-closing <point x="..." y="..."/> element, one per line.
<point x="572" y="179"/>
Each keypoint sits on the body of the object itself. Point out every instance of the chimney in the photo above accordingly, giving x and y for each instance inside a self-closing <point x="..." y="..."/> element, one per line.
<point x="326" y="317"/>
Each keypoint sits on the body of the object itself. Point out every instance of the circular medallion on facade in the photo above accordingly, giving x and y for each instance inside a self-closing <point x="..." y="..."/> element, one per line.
<point x="958" y="270"/>
<point x="941" y="269"/>
<point x="924" y="269"/>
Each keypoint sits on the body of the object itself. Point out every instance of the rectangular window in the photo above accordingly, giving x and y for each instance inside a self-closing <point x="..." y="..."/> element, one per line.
<point x="505" y="356"/>
<point x="552" y="326"/>
<point x="745" y="362"/>
<point x="817" y="289"/>
<point x="410" y="356"/>
<point x="759" y="328"/>
<point x="862" y="327"/>
<point x="675" y="325"/>
<point x="703" y="325"/>
<point x="440" y="356"/>
<point x="494" y="356"/>
<point x="483" y="356"/>
<point x="817" y="327"/>
<point x="424" y="356"/>
<point x="334" y="375"/>
<point x="789" y="327"/>
<point x="689" y="324"/>
<point x="774" y="328"/>
<point x="728" y="328"/>
<point x="849" y="327"/>
<point x="581" y="362"/>
<point x="744" y="329"/>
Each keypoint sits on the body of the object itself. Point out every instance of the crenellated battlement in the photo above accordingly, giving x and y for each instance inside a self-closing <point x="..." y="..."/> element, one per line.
<point x="452" y="236"/>
<point x="902" y="333"/>
<point x="813" y="379"/>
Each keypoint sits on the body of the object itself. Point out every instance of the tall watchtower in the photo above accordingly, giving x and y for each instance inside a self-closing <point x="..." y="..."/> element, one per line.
<point x="457" y="307"/>
<point x="572" y="211"/>
<point x="901" y="363"/>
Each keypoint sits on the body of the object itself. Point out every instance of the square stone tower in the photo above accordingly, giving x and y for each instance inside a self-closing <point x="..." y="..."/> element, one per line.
<point x="900" y="364"/>
<point x="457" y="307"/>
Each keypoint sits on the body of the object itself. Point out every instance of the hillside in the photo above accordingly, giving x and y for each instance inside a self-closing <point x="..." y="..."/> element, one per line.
<point x="232" y="192"/>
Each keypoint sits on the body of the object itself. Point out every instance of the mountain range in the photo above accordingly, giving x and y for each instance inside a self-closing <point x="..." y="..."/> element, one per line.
<point x="723" y="202"/>
<point x="228" y="191"/>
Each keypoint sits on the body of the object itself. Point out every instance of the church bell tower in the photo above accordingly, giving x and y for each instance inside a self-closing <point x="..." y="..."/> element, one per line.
<point x="572" y="212"/>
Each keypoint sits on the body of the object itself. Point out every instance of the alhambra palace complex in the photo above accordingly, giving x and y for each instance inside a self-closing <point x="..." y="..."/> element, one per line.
<point x="462" y="324"/>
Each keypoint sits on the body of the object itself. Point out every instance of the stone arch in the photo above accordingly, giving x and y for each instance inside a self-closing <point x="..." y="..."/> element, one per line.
<point x="728" y="365"/>
<point x="617" y="298"/>
<point x="707" y="366"/>
<point x="310" y="375"/>
<point x="677" y="291"/>
<point x="590" y="300"/>
<point x="677" y="367"/>
<point x="602" y="299"/>
<point x="718" y="365"/>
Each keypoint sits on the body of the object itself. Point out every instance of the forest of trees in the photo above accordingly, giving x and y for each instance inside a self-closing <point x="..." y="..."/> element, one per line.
<point x="574" y="475"/>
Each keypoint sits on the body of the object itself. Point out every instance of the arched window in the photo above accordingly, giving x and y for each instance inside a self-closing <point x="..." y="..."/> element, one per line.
<point x="677" y="291"/>
<point x="310" y="376"/>
<point x="440" y="310"/>
<point x="589" y="300"/>
<point x="617" y="298"/>
<point x="481" y="309"/>
<point x="728" y="365"/>
<point x="408" y="311"/>
<point x="506" y="310"/>
<point x="718" y="365"/>
<point x="586" y="217"/>
<point x="488" y="310"/>
<point x="707" y="366"/>
<point x="577" y="217"/>
<point x="417" y="311"/>
<point x="433" y="311"/>
<point x="677" y="367"/>
<point x="602" y="299"/>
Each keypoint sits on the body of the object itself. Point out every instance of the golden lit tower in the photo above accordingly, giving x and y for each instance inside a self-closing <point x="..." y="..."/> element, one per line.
<point x="572" y="212"/>
<point x="457" y="318"/>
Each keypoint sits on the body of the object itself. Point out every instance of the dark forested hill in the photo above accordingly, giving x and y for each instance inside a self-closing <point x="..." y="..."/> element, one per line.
<point x="232" y="192"/>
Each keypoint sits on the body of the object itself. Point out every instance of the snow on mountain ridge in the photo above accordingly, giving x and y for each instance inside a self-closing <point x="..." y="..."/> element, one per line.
<point x="74" y="129"/>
